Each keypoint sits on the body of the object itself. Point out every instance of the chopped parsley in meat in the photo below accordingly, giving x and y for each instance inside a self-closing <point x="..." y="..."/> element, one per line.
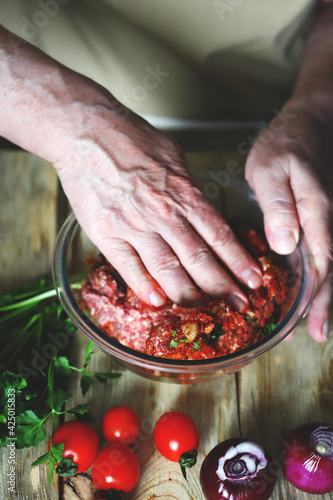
<point x="188" y="333"/>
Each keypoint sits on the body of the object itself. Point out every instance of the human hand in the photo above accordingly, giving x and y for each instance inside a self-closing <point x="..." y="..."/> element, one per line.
<point x="289" y="169"/>
<point x="135" y="198"/>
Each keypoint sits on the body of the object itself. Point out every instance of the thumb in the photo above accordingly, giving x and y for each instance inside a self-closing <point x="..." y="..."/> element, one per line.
<point x="277" y="203"/>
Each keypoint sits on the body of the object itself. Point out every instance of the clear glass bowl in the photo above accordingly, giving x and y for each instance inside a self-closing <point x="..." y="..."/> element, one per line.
<point x="237" y="204"/>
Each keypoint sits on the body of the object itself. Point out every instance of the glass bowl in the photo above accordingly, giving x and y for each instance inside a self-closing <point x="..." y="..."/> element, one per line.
<point x="236" y="202"/>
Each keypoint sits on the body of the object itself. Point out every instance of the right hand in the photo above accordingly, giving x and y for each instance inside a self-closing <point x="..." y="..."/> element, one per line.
<point x="133" y="195"/>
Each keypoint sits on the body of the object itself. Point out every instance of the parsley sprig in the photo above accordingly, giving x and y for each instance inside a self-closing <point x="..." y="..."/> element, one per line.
<point x="30" y="423"/>
<point x="29" y="318"/>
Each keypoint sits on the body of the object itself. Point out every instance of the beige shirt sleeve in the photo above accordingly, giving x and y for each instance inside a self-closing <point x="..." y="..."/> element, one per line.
<point x="211" y="59"/>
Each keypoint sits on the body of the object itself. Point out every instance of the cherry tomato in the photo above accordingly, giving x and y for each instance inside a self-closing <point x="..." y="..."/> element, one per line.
<point x="177" y="438"/>
<point x="116" y="467"/>
<point x="81" y="443"/>
<point x="121" y="424"/>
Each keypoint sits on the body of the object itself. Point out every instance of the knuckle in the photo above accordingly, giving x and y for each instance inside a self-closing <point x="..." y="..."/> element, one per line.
<point x="219" y="287"/>
<point x="164" y="265"/>
<point x="124" y="260"/>
<point x="280" y="207"/>
<point x="198" y="258"/>
<point x="223" y="236"/>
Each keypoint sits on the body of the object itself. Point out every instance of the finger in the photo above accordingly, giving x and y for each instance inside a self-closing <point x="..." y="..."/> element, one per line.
<point x="275" y="197"/>
<point x="127" y="262"/>
<point x="318" y="316"/>
<point x="314" y="212"/>
<point x="165" y="267"/>
<point x="217" y="234"/>
<point x="199" y="262"/>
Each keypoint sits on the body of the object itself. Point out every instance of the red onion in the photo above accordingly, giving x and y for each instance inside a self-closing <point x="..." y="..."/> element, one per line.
<point x="237" y="469"/>
<point x="307" y="456"/>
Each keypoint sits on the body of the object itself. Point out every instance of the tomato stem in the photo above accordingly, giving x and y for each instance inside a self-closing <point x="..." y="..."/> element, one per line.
<point x="117" y="495"/>
<point x="187" y="459"/>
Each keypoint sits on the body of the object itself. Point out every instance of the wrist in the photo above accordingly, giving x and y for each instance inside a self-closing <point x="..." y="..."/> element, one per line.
<point x="46" y="107"/>
<point x="316" y="105"/>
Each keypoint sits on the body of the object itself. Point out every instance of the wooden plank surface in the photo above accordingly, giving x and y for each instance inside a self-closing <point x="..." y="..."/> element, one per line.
<point x="28" y="207"/>
<point x="287" y="386"/>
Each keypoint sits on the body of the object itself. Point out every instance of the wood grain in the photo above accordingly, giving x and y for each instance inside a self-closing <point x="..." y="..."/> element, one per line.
<point x="287" y="386"/>
<point x="216" y="421"/>
<point x="28" y="203"/>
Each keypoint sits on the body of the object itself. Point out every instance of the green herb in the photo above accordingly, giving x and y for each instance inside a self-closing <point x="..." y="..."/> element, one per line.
<point x="173" y="343"/>
<point x="184" y="340"/>
<point x="25" y="316"/>
<point x="31" y="419"/>
<point x="174" y="333"/>
<point x="55" y="400"/>
<point x="268" y="328"/>
<point x="216" y="333"/>
<point x="196" y="345"/>
<point x="30" y="319"/>
<point x="212" y="311"/>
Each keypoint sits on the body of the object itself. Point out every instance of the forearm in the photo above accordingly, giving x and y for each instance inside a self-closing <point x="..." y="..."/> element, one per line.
<point x="315" y="80"/>
<point x="42" y="102"/>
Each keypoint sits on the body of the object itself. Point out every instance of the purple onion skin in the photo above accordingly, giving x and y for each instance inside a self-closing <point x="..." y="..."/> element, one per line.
<point x="304" y="466"/>
<point x="256" y="485"/>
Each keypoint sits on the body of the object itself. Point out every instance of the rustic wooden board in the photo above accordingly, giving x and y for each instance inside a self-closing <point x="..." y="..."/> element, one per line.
<point x="212" y="405"/>
<point x="287" y="386"/>
<point x="28" y="206"/>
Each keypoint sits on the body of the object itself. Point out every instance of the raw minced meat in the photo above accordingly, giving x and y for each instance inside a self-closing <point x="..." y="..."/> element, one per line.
<point x="187" y="333"/>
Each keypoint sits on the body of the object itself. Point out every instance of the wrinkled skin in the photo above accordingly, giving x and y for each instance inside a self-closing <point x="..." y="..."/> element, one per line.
<point x="132" y="193"/>
<point x="147" y="216"/>
<point x="289" y="169"/>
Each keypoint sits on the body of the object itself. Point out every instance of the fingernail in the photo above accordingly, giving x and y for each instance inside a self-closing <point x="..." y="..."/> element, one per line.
<point x="252" y="278"/>
<point x="285" y="241"/>
<point x="325" y="330"/>
<point x="236" y="302"/>
<point x="156" y="299"/>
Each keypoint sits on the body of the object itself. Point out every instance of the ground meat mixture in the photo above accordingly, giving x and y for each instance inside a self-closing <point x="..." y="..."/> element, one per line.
<point x="184" y="333"/>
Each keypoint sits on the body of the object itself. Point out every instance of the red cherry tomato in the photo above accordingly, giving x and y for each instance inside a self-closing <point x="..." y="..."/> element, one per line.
<point x="177" y="438"/>
<point x="81" y="443"/>
<point x="175" y="433"/>
<point x="116" y="467"/>
<point x="121" y="424"/>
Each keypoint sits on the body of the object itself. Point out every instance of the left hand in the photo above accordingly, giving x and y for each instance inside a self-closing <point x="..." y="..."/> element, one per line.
<point x="289" y="168"/>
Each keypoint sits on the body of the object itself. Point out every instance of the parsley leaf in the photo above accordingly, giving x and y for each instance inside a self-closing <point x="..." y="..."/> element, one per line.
<point x="31" y="318"/>
<point x="89" y="352"/>
<point x="29" y="429"/>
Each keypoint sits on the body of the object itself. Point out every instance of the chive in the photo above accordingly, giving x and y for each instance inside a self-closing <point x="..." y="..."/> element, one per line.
<point x="174" y="333"/>
<point x="184" y="340"/>
<point x="196" y="345"/>
<point x="173" y="343"/>
<point x="213" y="310"/>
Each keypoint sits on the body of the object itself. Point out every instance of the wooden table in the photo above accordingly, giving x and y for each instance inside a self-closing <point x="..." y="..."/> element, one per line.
<point x="291" y="384"/>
